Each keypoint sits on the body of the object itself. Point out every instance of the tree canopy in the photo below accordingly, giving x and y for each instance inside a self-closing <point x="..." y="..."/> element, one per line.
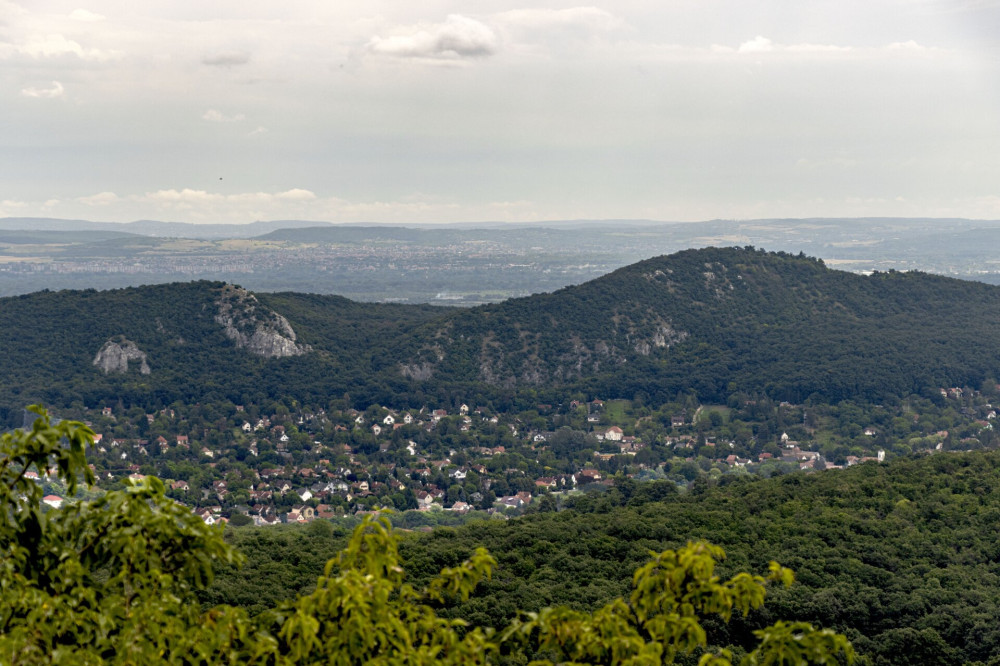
<point x="111" y="579"/>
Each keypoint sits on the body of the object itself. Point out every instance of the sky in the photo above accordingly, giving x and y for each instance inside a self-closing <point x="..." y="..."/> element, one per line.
<point x="442" y="111"/>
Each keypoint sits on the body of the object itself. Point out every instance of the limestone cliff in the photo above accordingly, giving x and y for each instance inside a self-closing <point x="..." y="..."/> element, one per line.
<point x="116" y="353"/>
<point x="253" y="327"/>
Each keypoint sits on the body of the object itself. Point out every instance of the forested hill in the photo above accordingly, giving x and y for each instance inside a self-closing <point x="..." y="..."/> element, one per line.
<point x="719" y="320"/>
<point x="712" y="321"/>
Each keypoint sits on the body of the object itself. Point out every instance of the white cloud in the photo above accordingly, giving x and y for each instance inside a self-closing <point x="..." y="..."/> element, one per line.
<point x="758" y="44"/>
<point x="258" y="131"/>
<point x="457" y="38"/>
<point x="10" y="203"/>
<point x="56" y="90"/>
<point x="226" y="59"/>
<point x="908" y="45"/>
<point x="100" y="199"/>
<point x="55" y="45"/>
<point x="296" y="195"/>
<point x="215" y="116"/>
<point x="84" y="15"/>
<point x="189" y="196"/>
<point x="185" y="196"/>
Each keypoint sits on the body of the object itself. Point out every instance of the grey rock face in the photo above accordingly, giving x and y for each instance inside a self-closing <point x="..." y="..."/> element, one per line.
<point x="255" y="328"/>
<point x="115" y="354"/>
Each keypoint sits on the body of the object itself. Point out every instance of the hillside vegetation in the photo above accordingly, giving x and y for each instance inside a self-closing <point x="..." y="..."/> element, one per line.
<point x="893" y="555"/>
<point x="712" y="322"/>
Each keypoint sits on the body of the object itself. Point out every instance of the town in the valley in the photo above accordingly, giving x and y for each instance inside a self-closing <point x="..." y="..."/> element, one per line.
<point x="278" y="463"/>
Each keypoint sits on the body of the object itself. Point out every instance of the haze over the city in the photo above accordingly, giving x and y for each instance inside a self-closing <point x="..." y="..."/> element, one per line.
<point x="443" y="111"/>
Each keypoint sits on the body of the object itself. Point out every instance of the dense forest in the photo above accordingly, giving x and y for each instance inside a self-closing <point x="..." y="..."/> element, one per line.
<point x="900" y="557"/>
<point x="710" y="322"/>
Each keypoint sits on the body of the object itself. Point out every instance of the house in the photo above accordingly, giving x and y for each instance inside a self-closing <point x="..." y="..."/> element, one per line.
<point x="53" y="501"/>
<point x="182" y="440"/>
<point x="424" y="500"/>
<point x="207" y="516"/>
<point x="180" y="485"/>
<point x="676" y="421"/>
<point x="266" y="521"/>
<point x="302" y="514"/>
<point x="614" y="434"/>
<point x="377" y="429"/>
<point x="325" y="512"/>
<point x="460" y="507"/>
<point x="511" y="501"/>
<point x="589" y="475"/>
<point x="407" y="419"/>
<point x="388" y="420"/>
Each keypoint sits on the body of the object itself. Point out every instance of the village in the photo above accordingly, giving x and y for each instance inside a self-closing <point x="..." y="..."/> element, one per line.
<point x="246" y="464"/>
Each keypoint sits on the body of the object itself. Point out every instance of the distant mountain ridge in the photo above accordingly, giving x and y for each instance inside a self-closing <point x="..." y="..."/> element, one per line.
<point x="156" y="228"/>
<point x="712" y="321"/>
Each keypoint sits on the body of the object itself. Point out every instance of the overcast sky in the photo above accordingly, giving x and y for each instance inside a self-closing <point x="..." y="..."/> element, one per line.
<point x="442" y="111"/>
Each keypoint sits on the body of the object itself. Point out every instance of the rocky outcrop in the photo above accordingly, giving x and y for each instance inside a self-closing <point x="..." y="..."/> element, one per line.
<point x="116" y="353"/>
<point x="253" y="327"/>
<point x="420" y="372"/>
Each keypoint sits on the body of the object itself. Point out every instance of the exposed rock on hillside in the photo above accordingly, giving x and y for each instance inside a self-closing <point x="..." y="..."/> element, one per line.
<point x="253" y="327"/>
<point x="115" y="354"/>
<point x="420" y="372"/>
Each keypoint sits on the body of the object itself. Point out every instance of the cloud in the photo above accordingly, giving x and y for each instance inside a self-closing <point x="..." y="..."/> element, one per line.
<point x="758" y="44"/>
<point x="185" y="196"/>
<point x="56" y="45"/>
<point x="591" y="18"/>
<point x="217" y="117"/>
<point x="761" y="44"/>
<point x="226" y="59"/>
<point x="56" y="90"/>
<point x="457" y="38"/>
<point x="189" y="196"/>
<point x="257" y="132"/>
<point x="100" y="199"/>
<point x="295" y="195"/>
<point x="908" y="45"/>
<point x="84" y="15"/>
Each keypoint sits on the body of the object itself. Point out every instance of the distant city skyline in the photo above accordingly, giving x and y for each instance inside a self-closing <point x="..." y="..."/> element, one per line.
<point x="442" y="111"/>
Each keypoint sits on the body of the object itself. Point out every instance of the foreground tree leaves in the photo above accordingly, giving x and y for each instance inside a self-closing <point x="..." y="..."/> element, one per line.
<point x="112" y="581"/>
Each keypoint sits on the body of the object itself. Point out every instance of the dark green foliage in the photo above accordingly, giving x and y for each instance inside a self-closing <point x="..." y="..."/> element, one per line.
<point x="705" y="322"/>
<point x="890" y="554"/>
<point x="112" y="580"/>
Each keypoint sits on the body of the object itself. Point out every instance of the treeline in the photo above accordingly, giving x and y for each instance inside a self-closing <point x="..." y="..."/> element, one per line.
<point x="892" y="555"/>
